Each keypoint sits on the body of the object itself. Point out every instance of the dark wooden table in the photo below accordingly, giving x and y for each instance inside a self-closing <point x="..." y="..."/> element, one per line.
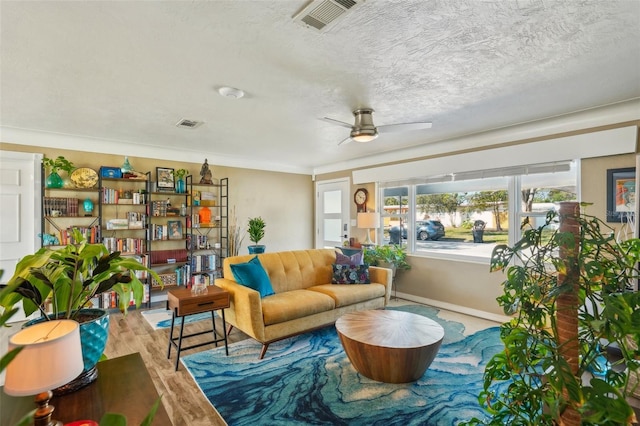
<point x="182" y="303"/>
<point x="389" y="346"/>
<point x="123" y="386"/>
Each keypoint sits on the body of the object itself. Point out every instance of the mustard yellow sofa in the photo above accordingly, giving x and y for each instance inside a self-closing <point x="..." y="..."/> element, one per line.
<point x="304" y="297"/>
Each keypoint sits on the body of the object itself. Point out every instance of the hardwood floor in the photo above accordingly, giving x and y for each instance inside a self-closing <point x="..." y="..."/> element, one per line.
<point x="181" y="397"/>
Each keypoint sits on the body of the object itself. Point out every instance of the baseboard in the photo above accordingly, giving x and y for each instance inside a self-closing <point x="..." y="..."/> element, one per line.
<point x="454" y="308"/>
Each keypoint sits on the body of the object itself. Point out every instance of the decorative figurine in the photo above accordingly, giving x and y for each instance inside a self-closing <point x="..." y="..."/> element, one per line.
<point x="126" y="167"/>
<point x="205" y="173"/>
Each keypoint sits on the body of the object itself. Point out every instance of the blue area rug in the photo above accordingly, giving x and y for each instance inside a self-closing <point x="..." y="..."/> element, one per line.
<point x="309" y="380"/>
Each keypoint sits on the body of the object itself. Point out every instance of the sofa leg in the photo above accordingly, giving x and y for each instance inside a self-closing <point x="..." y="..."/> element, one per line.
<point x="229" y="329"/>
<point x="265" y="346"/>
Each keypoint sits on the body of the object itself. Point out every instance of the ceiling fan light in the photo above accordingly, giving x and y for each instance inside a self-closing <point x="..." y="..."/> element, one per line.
<point x="364" y="138"/>
<point x="364" y="135"/>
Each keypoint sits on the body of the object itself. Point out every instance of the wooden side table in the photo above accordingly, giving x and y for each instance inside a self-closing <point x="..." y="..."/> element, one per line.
<point x="182" y="303"/>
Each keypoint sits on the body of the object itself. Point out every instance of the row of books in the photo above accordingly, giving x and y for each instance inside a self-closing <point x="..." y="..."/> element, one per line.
<point x="109" y="299"/>
<point x="159" y="208"/>
<point x="118" y="196"/>
<point x="203" y="262"/>
<point x="198" y="242"/>
<point x="90" y="233"/>
<point x="61" y="206"/>
<point x="172" y="230"/>
<point x="185" y="276"/>
<point x="125" y="245"/>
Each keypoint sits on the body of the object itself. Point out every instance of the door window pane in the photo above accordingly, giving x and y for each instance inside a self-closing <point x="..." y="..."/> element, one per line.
<point x="332" y="202"/>
<point x="332" y="231"/>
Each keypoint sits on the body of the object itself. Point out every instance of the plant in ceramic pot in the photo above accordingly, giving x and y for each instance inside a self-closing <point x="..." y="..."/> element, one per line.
<point x="109" y="419"/>
<point x="256" y="233"/>
<point x="61" y="282"/>
<point x="569" y="284"/>
<point x="54" y="165"/>
<point x="180" y="174"/>
<point x="392" y="256"/>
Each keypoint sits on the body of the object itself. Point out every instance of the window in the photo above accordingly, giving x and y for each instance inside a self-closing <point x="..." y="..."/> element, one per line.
<point x="468" y="214"/>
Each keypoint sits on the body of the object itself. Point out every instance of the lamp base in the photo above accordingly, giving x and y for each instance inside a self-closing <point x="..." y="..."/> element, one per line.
<point x="42" y="415"/>
<point x="85" y="378"/>
<point x="368" y="241"/>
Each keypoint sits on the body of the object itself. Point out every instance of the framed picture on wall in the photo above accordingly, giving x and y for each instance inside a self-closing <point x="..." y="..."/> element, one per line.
<point x="174" y="228"/>
<point x="164" y="179"/>
<point x="621" y="194"/>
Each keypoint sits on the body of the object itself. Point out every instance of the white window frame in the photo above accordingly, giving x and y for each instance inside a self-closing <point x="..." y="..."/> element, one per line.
<point x="515" y="213"/>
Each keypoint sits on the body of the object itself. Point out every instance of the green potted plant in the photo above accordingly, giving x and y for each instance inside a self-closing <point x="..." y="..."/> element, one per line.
<point x="256" y="233"/>
<point x="569" y="291"/>
<point x="54" y="165"/>
<point x="180" y="174"/>
<point x="392" y="256"/>
<point x="61" y="282"/>
<point x="109" y="419"/>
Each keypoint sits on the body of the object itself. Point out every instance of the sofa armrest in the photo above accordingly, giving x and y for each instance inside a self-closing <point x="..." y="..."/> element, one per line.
<point x="247" y="307"/>
<point x="383" y="276"/>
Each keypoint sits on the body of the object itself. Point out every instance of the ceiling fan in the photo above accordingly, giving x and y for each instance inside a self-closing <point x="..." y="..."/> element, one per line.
<point x="363" y="130"/>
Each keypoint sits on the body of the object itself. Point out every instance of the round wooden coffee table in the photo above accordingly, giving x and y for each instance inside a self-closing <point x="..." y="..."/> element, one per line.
<point x="389" y="346"/>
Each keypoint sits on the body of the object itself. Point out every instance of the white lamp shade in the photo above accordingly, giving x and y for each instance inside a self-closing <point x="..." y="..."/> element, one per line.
<point x="368" y="220"/>
<point x="52" y="357"/>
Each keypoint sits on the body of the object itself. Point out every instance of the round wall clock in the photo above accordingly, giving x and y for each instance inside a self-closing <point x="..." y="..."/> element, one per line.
<point x="360" y="197"/>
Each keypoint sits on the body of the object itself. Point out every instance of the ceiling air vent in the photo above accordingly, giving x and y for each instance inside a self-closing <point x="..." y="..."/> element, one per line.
<point x="188" y="124"/>
<point x="319" y="14"/>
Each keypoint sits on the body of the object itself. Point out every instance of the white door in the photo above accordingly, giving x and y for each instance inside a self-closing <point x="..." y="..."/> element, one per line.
<point x="20" y="213"/>
<point x="332" y="213"/>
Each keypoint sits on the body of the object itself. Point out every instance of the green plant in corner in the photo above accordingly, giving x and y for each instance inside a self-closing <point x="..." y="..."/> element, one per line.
<point x="58" y="163"/>
<point x="70" y="276"/>
<point x="570" y="289"/>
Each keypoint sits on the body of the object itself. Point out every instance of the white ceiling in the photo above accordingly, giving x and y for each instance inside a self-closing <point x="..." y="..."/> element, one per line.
<point x="128" y="71"/>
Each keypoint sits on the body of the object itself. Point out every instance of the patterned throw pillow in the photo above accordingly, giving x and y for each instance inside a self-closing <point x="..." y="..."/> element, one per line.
<point x="354" y="259"/>
<point x="350" y="274"/>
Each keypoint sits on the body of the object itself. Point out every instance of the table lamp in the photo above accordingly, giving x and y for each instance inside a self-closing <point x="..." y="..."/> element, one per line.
<point x="368" y="220"/>
<point x="51" y="357"/>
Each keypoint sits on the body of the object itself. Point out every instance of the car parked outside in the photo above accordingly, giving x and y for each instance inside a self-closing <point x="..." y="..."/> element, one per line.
<point x="427" y="230"/>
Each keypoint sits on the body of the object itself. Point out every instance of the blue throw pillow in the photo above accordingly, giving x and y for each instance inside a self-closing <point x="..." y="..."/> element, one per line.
<point x="253" y="275"/>
<point x="350" y="274"/>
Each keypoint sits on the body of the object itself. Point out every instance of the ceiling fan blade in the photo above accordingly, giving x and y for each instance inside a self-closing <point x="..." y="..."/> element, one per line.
<point x="404" y="127"/>
<point x="345" y="140"/>
<point x="338" y="122"/>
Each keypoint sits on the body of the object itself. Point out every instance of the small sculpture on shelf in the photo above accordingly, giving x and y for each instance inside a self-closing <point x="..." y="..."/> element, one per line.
<point x="206" y="174"/>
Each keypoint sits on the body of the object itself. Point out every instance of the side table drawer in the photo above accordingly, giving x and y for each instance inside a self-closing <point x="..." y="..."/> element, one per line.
<point x="203" y="304"/>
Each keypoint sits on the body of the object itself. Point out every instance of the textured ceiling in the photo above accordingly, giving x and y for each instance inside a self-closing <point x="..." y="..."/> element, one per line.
<point x="128" y="71"/>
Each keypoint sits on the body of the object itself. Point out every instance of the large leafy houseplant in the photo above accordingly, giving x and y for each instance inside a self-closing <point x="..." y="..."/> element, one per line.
<point x="394" y="255"/>
<point x="70" y="276"/>
<point x="109" y="419"/>
<point x="570" y="289"/>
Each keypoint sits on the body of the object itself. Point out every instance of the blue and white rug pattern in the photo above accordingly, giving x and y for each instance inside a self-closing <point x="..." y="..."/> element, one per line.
<point x="161" y="318"/>
<point x="309" y="380"/>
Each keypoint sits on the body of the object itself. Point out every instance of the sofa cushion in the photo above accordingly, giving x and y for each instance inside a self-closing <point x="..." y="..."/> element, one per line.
<point x="354" y="259"/>
<point x="345" y="295"/>
<point x="251" y="274"/>
<point x="350" y="274"/>
<point x="294" y="304"/>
